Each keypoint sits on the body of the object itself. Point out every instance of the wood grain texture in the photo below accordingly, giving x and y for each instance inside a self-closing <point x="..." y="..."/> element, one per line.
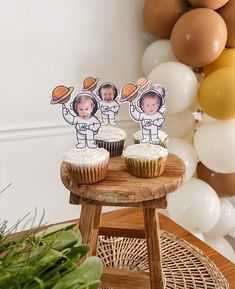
<point x="151" y="224"/>
<point x="121" y="187"/>
<point x="160" y="203"/>
<point x="89" y="226"/>
<point x="128" y="230"/>
<point x="125" y="279"/>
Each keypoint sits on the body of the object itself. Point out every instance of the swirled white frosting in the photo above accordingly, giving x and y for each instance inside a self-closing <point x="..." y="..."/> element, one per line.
<point x="110" y="134"/>
<point x="144" y="151"/>
<point x="161" y="135"/>
<point x="85" y="156"/>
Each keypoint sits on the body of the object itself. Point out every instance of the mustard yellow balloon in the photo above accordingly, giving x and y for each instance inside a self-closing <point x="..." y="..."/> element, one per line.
<point x="226" y="58"/>
<point x="216" y="94"/>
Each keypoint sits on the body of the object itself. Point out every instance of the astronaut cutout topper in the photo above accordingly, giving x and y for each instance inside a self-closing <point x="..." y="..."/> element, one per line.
<point x="87" y="124"/>
<point x="149" y="110"/>
<point x="83" y="107"/>
<point x="109" y="107"/>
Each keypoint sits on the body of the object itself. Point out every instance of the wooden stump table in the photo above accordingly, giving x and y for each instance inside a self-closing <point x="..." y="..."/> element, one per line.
<point x="119" y="188"/>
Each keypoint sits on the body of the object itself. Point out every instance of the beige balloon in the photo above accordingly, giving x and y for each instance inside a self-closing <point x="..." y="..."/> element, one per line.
<point x="227" y="12"/>
<point x="223" y="184"/>
<point x="198" y="37"/>
<point x="211" y="4"/>
<point x="160" y="15"/>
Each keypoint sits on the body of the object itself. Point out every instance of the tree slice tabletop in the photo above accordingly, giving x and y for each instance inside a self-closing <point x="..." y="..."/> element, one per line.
<point x="120" y="186"/>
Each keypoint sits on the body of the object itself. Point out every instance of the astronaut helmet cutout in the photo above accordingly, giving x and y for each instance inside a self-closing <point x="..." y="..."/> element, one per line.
<point x="147" y="107"/>
<point x="81" y="114"/>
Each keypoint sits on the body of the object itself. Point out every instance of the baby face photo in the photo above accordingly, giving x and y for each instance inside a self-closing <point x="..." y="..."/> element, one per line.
<point x="107" y="92"/>
<point x="150" y="102"/>
<point x="84" y="106"/>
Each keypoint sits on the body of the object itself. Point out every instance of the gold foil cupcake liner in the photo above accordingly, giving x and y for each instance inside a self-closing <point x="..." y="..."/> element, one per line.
<point x="146" y="168"/>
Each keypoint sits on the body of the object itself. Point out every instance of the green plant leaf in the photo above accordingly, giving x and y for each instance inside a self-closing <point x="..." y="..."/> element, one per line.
<point x="55" y="228"/>
<point x="63" y="239"/>
<point x="76" y="253"/>
<point x="90" y="271"/>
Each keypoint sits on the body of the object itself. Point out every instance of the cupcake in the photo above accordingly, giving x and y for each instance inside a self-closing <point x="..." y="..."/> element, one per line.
<point x="145" y="160"/>
<point x="85" y="166"/>
<point x="163" y="137"/>
<point x="112" y="139"/>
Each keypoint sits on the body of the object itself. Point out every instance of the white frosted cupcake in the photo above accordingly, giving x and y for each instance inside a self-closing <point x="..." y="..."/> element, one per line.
<point x="112" y="139"/>
<point x="86" y="166"/>
<point x="145" y="160"/>
<point x="163" y="137"/>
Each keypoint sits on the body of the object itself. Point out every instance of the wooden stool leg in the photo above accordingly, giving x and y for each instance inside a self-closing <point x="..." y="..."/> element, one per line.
<point x="154" y="248"/>
<point x="96" y="227"/>
<point x="89" y="225"/>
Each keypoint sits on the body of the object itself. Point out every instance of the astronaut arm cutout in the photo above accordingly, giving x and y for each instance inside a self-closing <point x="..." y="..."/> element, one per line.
<point x="95" y="125"/>
<point x="159" y="119"/>
<point x="68" y="116"/>
<point x="116" y="107"/>
<point x="134" y="112"/>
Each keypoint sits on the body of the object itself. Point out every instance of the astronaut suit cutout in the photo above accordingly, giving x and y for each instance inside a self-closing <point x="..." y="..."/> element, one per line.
<point x="87" y="125"/>
<point x="149" y="113"/>
<point x="109" y="107"/>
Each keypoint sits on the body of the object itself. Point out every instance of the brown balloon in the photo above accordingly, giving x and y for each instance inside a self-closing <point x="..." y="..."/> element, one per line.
<point x="223" y="184"/>
<point x="227" y="12"/>
<point x="198" y="37"/>
<point x="160" y="15"/>
<point x="211" y="4"/>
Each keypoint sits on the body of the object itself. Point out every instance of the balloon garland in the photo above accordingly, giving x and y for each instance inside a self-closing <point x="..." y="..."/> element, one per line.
<point x="193" y="57"/>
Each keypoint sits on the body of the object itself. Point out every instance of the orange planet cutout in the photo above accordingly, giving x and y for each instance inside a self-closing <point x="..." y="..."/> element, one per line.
<point x="143" y="82"/>
<point x="227" y="12"/>
<point x="160" y="15"/>
<point x="211" y="4"/>
<point x="223" y="184"/>
<point x="129" y="92"/>
<point x="90" y="83"/>
<point x="61" y="94"/>
<point x="198" y="37"/>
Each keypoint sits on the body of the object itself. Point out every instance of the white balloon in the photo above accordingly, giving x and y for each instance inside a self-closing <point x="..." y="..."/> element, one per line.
<point x="199" y="236"/>
<point x="195" y="206"/>
<point x="232" y="200"/>
<point x="186" y="152"/>
<point x="179" y="124"/>
<point x="189" y="138"/>
<point x="214" y="143"/>
<point x="222" y="246"/>
<point x="226" y="220"/>
<point x="158" y="52"/>
<point x="180" y="83"/>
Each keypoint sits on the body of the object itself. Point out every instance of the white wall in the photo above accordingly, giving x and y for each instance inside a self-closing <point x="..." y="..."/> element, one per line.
<point x="44" y="44"/>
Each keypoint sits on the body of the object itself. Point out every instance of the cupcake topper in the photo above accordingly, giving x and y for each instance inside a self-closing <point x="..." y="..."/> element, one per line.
<point x="84" y="106"/>
<point x="129" y="92"/>
<point x="90" y="84"/>
<point x="61" y="94"/>
<point x="147" y="107"/>
<point x="109" y="107"/>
